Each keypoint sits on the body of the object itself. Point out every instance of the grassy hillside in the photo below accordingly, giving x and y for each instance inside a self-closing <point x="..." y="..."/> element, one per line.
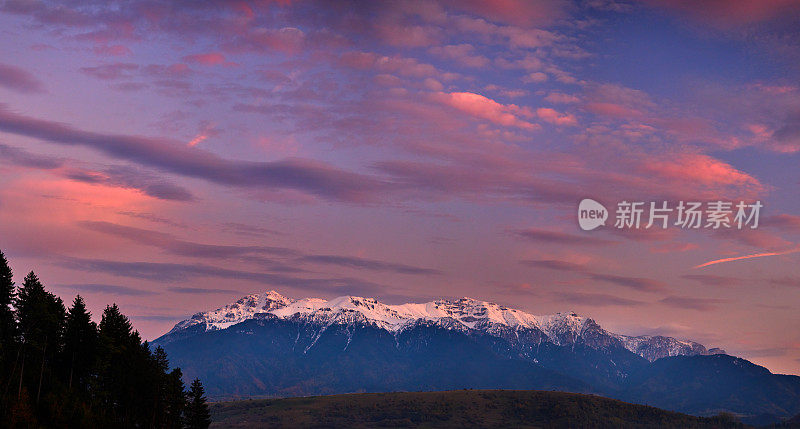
<point x="470" y="408"/>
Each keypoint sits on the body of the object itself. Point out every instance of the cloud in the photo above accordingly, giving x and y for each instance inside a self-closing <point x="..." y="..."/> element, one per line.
<point x="692" y="303"/>
<point x="248" y="230"/>
<point x="758" y="238"/>
<point x="176" y="246"/>
<point x="107" y="289"/>
<point x="782" y="221"/>
<point x="208" y="59"/>
<point x="617" y="102"/>
<point x="738" y="258"/>
<point x="17" y="79"/>
<point x="403" y="66"/>
<point x="702" y="169"/>
<point x="477" y="180"/>
<point x="597" y="299"/>
<point x="786" y="138"/>
<point x="556" y="237"/>
<point x="536" y="77"/>
<point x="516" y="12"/>
<point x="114" y="176"/>
<point x="405" y="35"/>
<point x="556" y="265"/>
<point x="314" y="177"/>
<point x="16" y="156"/>
<point x="785" y="281"/>
<point x="463" y="54"/>
<point x="369" y="264"/>
<point x="635" y="283"/>
<point x="207" y="129"/>
<point x="200" y="291"/>
<point x="151" y="217"/>
<point x="561" y="98"/>
<point x="110" y="71"/>
<point x="554" y="117"/>
<point x="174" y="272"/>
<point x="113" y="50"/>
<point x="485" y="108"/>
<point x="712" y="280"/>
<point x="260" y="39"/>
<point x="130" y="177"/>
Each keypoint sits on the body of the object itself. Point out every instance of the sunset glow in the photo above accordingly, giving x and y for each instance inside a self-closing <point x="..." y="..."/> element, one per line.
<point x="173" y="157"/>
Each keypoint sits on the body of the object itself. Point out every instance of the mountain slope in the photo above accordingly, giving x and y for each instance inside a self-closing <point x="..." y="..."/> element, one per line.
<point x="454" y="409"/>
<point x="706" y="385"/>
<point x="268" y="345"/>
<point x="466" y="313"/>
<point x="275" y="357"/>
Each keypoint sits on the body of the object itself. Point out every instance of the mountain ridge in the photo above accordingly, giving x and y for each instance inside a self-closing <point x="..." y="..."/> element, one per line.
<point x="267" y="345"/>
<point x="560" y="328"/>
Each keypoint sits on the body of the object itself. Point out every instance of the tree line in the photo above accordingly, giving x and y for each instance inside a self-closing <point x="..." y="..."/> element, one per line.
<point x="58" y="368"/>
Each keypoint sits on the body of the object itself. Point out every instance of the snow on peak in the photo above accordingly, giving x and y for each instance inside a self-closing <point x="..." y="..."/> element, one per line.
<point x="559" y="328"/>
<point x="469" y="312"/>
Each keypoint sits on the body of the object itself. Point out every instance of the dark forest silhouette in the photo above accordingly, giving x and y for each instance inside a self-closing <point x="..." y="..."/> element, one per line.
<point x="60" y="369"/>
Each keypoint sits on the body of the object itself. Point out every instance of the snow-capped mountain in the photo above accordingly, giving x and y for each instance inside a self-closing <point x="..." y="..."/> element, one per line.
<point x="560" y="329"/>
<point x="267" y="345"/>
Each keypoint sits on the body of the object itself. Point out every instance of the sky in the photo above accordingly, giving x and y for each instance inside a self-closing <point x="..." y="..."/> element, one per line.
<point x="172" y="157"/>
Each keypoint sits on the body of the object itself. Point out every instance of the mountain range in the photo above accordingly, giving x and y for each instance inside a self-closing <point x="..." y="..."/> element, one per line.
<point x="268" y="345"/>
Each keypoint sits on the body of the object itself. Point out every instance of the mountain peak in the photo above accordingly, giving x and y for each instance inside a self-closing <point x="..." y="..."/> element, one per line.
<point x="463" y="313"/>
<point x="274" y="295"/>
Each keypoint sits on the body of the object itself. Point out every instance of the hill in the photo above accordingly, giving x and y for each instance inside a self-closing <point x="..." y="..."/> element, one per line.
<point x="461" y="408"/>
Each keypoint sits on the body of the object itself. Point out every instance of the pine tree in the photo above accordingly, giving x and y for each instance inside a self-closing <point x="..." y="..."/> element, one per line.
<point x="117" y="369"/>
<point x="198" y="415"/>
<point x="41" y="316"/>
<point x="66" y="371"/>
<point x="8" y="325"/>
<point x="160" y="367"/>
<point x="80" y="344"/>
<point x="9" y="350"/>
<point x="175" y="400"/>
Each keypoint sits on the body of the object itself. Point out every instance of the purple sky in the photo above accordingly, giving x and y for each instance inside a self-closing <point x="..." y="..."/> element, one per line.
<point x="174" y="156"/>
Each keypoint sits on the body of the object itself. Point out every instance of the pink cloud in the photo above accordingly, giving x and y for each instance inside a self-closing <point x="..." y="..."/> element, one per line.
<point x="783" y="221"/>
<point x="209" y="59"/>
<point x="485" y="108"/>
<point x="516" y="12"/>
<point x="617" y="101"/>
<point x="287" y="39"/>
<point x="561" y="98"/>
<point x="699" y="168"/>
<point x="612" y="109"/>
<point x="554" y="117"/>
<point x="409" y="36"/>
<point x="403" y="66"/>
<point x="463" y="54"/>
<point x="535" y="77"/>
